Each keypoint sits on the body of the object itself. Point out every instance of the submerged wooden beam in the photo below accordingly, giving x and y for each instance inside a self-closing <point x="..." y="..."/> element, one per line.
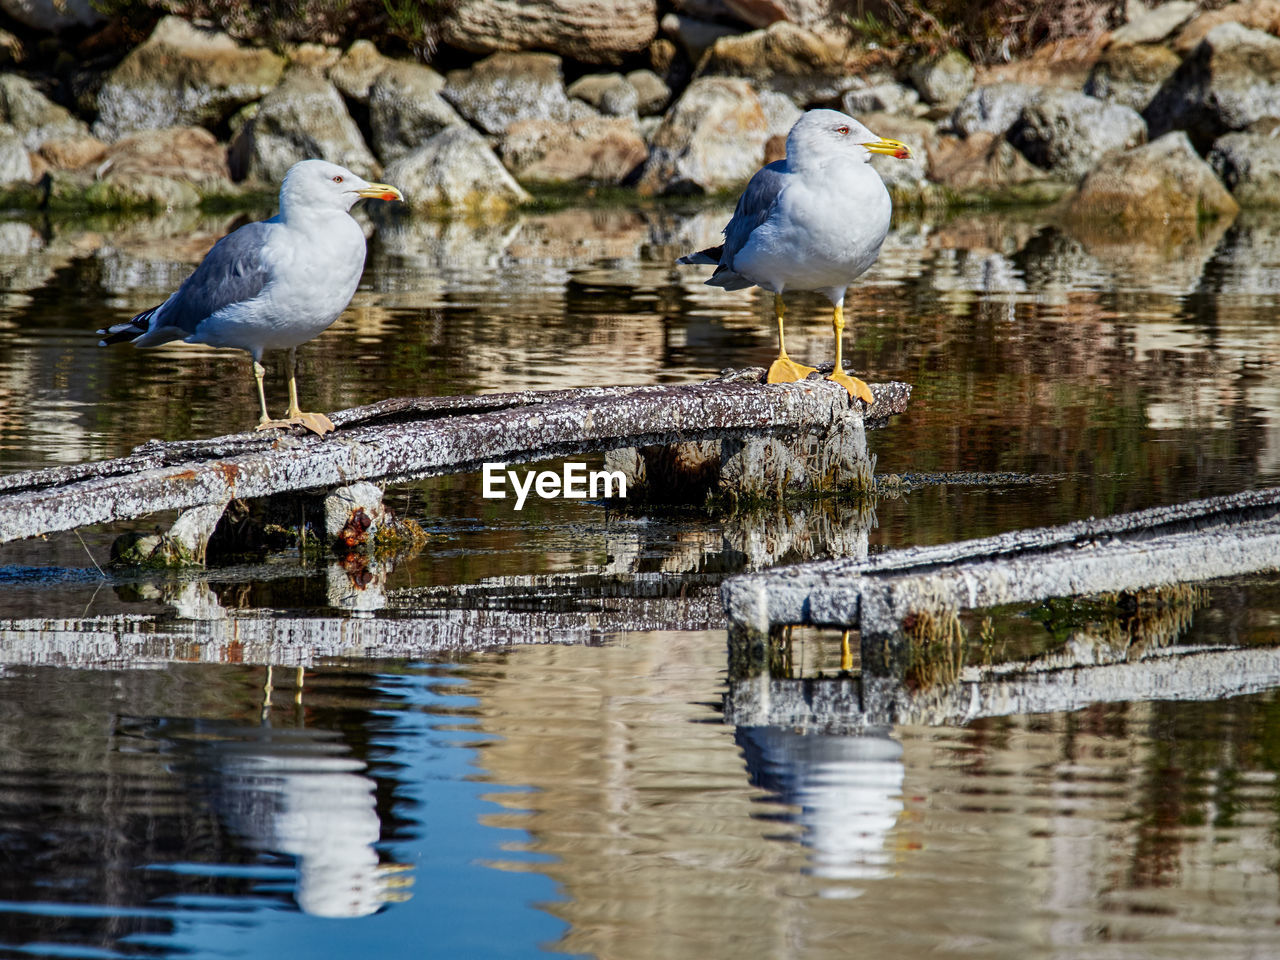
<point x="403" y="440"/>
<point x="882" y="595"/>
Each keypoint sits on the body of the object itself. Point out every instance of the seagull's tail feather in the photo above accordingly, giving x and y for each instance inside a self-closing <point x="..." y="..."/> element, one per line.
<point x="128" y="331"/>
<point x="725" y="277"/>
<point x="710" y="255"/>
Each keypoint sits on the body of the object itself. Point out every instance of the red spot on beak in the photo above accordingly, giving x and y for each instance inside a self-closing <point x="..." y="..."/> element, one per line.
<point x="902" y="153"/>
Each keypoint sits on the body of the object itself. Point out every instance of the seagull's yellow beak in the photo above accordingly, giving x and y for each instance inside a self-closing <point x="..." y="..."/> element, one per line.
<point x="890" y="148"/>
<point x="380" y="191"/>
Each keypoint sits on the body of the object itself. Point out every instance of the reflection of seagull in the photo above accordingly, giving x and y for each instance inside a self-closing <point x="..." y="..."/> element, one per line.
<point x="849" y="790"/>
<point x="299" y="792"/>
<point x="814" y="221"/>
<point x="274" y="284"/>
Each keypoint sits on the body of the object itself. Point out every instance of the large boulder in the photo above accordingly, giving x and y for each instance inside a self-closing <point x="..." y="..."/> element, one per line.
<point x="879" y="93"/>
<point x="712" y="139"/>
<point x="34" y="116"/>
<point x="303" y="117"/>
<point x="1154" y="25"/>
<point x="357" y="69"/>
<point x="943" y="80"/>
<point x="1249" y="165"/>
<point x="1161" y="181"/>
<point x="993" y="108"/>
<point x="580" y="29"/>
<point x="456" y="168"/>
<point x="183" y="75"/>
<point x="187" y="154"/>
<point x="405" y="109"/>
<point x="782" y="57"/>
<point x="1254" y="14"/>
<point x="610" y="93"/>
<point x="1131" y="75"/>
<point x="982" y="163"/>
<point x="1229" y="81"/>
<point x="15" y="161"/>
<point x="507" y="87"/>
<point x="1067" y="133"/>
<point x="592" y="149"/>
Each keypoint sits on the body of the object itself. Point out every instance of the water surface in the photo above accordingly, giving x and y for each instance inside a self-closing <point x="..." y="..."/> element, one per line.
<point x="513" y="742"/>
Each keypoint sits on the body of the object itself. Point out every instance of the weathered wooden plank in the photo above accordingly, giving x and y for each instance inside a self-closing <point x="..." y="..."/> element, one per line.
<point x="407" y="440"/>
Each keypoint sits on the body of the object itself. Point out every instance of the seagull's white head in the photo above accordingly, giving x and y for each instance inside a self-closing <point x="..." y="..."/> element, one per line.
<point x="822" y="135"/>
<point x="321" y="185"/>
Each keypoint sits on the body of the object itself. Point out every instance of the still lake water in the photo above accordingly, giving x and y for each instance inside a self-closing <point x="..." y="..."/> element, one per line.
<point x="512" y="743"/>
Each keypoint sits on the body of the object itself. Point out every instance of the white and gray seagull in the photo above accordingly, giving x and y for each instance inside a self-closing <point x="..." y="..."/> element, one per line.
<point x="814" y="221"/>
<point x="273" y="284"/>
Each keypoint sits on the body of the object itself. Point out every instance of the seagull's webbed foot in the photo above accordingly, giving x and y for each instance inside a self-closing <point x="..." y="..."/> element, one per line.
<point x="856" y="387"/>
<point x="786" y="370"/>
<point x="317" y="423"/>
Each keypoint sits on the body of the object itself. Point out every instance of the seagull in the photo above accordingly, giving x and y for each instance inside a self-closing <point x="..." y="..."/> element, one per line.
<point x="272" y="284"/>
<point x="813" y="221"/>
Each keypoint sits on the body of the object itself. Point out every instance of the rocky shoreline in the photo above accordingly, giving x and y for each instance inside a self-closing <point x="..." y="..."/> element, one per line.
<point x="1172" y="115"/>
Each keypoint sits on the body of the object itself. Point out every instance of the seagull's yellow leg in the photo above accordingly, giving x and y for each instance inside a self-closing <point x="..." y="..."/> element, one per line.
<point x="315" y="422"/>
<point x="258" y="373"/>
<point x="855" y="386"/>
<point x="784" y="369"/>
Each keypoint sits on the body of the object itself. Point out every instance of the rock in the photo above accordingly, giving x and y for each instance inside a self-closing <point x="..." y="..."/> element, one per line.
<point x="594" y="149"/>
<point x="695" y="37"/>
<point x="712" y="139"/>
<point x="53" y="16"/>
<point x="303" y="117"/>
<point x="783" y="57"/>
<point x="992" y="109"/>
<point x="35" y="116"/>
<point x="15" y="161"/>
<point x="1164" y="180"/>
<point x="983" y="162"/>
<point x="456" y="168"/>
<point x="1152" y="26"/>
<point x="355" y="72"/>
<point x="186" y="154"/>
<point x="1131" y="75"/>
<point x="182" y="76"/>
<point x="943" y="80"/>
<point x="580" y="29"/>
<point x="1068" y="133"/>
<point x="72" y="152"/>
<point x="507" y="87"/>
<point x="1230" y="80"/>
<point x="406" y="109"/>
<point x="1063" y="63"/>
<point x="1249" y="166"/>
<point x="652" y="93"/>
<point x="609" y="93"/>
<point x="312" y="56"/>
<point x="879" y="95"/>
<point x="1254" y="14"/>
<point x="920" y="135"/>
<point x="780" y="113"/>
<point x="825" y="17"/>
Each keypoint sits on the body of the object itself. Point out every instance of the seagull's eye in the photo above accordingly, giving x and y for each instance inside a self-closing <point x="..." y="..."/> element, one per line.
<point x="339" y="179"/>
<point x="843" y="131"/>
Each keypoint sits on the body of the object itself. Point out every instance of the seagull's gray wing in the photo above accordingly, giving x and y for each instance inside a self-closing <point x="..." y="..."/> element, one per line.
<point x="234" y="271"/>
<point x="755" y="206"/>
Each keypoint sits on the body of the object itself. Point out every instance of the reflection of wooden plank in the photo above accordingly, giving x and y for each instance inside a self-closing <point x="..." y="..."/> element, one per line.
<point x="136" y="642"/>
<point x="410" y="439"/>
<point x="1188" y="542"/>
<point x="855" y="704"/>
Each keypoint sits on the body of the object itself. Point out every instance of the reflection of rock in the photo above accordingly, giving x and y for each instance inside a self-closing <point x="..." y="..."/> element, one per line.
<point x="848" y="791"/>
<point x="832" y="528"/>
<point x="1171" y="260"/>
<point x="358" y="583"/>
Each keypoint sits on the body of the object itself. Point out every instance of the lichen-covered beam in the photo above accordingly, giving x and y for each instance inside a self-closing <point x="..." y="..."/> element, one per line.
<point x="398" y="449"/>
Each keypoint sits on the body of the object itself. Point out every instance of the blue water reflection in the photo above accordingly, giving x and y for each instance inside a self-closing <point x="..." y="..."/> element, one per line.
<point x="352" y="839"/>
